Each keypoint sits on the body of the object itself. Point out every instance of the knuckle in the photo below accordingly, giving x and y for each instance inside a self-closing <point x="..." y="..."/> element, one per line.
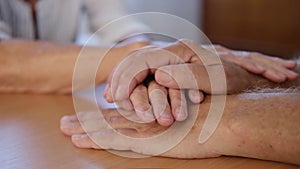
<point x="177" y="98"/>
<point x="139" y="90"/>
<point x="145" y="108"/>
<point x="277" y="59"/>
<point x="155" y="86"/>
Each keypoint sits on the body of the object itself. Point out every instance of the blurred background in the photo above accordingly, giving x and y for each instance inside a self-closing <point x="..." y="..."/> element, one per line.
<point x="268" y="26"/>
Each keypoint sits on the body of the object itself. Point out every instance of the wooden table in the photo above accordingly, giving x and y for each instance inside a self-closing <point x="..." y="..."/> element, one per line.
<point x="31" y="139"/>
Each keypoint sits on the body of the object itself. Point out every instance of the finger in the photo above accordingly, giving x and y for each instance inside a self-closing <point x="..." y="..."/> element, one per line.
<point x="292" y="75"/>
<point x="92" y="121"/>
<point x="289" y="74"/>
<point x="114" y="76"/>
<point x="275" y="76"/>
<point x="68" y="127"/>
<point x="196" y="96"/>
<point x="104" y="139"/>
<point x="134" y="70"/>
<point x="119" y="88"/>
<point x="84" y="141"/>
<point x="69" y="118"/>
<point x="276" y="66"/>
<point x="159" y="101"/>
<point x="140" y="101"/>
<point x="246" y="60"/>
<point x="76" y="127"/>
<point x="124" y="104"/>
<point x="250" y="65"/>
<point x="290" y="64"/>
<point x="183" y="76"/>
<point x="277" y="72"/>
<point x="178" y="104"/>
<point x="70" y="124"/>
<point x="107" y="94"/>
<point x="83" y="116"/>
<point x="138" y="70"/>
<point x="119" y="121"/>
<point x="153" y="58"/>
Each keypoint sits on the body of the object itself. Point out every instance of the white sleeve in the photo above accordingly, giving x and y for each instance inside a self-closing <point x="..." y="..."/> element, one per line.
<point x="5" y="31"/>
<point x="102" y="12"/>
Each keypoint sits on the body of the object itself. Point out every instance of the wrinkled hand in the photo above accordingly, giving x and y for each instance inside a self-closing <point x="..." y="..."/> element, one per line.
<point x="178" y="66"/>
<point x="155" y="102"/>
<point x="273" y="68"/>
<point x="105" y="132"/>
<point x="143" y="63"/>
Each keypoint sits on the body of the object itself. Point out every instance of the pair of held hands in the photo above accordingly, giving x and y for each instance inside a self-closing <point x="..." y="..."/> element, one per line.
<point x="154" y="80"/>
<point x="175" y="69"/>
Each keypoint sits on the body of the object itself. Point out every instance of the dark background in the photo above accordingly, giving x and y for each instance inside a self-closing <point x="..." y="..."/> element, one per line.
<point x="268" y="26"/>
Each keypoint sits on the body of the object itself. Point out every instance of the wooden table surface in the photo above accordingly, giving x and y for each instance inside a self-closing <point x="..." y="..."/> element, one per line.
<point x="31" y="139"/>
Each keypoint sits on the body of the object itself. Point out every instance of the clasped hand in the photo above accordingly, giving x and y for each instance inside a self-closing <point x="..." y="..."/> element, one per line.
<point x="181" y="69"/>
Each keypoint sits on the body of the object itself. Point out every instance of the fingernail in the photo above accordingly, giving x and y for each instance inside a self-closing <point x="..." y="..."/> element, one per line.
<point x="181" y="115"/>
<point x="165" y="120"/>
<point x="195" y="96"/>
<point x="76" y="137"/>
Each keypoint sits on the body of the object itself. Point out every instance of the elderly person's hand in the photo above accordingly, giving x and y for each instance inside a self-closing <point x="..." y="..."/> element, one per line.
<point x="273" y="68"/>
<point x="248" y="128"/>
<point x="153" y="101"/>
<point x="113" y="131"/>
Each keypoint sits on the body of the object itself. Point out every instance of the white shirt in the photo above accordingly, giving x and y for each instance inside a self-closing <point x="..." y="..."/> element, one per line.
<point x="59" y="20"/>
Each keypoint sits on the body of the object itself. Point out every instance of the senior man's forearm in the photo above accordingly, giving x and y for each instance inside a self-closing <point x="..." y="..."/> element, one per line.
<point x="255" y="125"/>
<point x="260" y="125"/>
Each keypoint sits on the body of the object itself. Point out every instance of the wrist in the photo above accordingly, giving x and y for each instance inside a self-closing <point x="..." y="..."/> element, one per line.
<point x="220" y="141"/>
<point x="135" y="45"/>
<point x="223" y="140"/>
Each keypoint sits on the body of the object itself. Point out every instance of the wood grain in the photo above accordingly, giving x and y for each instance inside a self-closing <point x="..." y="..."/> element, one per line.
<point x="31" y="139"/>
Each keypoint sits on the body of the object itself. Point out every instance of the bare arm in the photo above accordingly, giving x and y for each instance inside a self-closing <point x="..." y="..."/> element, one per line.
<point x="263" y="126"/>
<point x="255" y="125"/>
<point x="46" y="67"/>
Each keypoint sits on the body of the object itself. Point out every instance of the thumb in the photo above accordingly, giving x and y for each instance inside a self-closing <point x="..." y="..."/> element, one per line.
<point x="193" y="76"/>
